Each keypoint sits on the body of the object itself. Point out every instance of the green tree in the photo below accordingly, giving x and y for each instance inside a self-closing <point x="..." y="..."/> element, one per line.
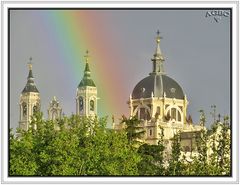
<point x="133" y="129"/>
<point x="152" y="160"/>
<point x="175" y="166"/>
<point x="21" y="159"/>
<point x="71" y="146"/>
<point x="221" y="147"/>
<point x="199" y="165"/>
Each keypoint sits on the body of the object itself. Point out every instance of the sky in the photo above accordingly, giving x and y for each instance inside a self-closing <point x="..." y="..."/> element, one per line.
<point x="121" y="44"/>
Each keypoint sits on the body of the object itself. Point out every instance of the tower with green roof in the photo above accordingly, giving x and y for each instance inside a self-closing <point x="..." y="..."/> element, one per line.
<point x="29" y="100"/>
<point x="86" y="99"/>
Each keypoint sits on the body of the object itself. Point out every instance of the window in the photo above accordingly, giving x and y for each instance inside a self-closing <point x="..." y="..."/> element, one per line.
<point x="142" y="113"/>
<point x="173" y="113"/>
<point x="158" y="110"/>
<point x="80" y="103"/>
<point x="157" y="113"/>
<point x="150" y="132"/>
<point x="35" y="109"/>
<point x="148" y="115"/>
<point x="91" y="105"/>
<point x="179" y="116"/>
<point x="24" y="108"/>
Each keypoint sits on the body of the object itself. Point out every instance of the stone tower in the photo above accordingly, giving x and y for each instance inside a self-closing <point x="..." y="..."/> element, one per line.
<point x="29" y="100"/>
<point x="86" y="99"/>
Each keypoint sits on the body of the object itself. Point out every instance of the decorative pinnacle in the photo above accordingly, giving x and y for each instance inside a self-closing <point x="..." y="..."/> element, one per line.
<point x="87" y="56"/>
<point x="30" y="63"/>
<point x="158" y="37"/>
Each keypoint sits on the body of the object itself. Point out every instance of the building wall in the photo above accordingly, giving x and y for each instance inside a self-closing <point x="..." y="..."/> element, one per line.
<point x="88" y="94"/>
<point x="31" y="99"/>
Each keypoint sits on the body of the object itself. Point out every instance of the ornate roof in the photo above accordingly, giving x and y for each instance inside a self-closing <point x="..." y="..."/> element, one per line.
<point x="87" y="81"/>
<point x="158" y="85"/>
<point x="30" y="86"/>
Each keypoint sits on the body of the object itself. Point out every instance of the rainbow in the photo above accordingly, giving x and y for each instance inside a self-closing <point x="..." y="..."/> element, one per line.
<point x="79" y="30"/>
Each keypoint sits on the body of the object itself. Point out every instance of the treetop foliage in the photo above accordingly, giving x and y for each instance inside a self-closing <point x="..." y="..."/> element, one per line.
<point x="84" y="146"/>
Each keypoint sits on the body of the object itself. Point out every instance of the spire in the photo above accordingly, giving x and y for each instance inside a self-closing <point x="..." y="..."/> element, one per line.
<point x="158" y="57"/>
<point x="30" y="86"/>
<point x="30" y="63"/>
<point x="158" y="39"/>
<point x="87" y="81"/>
<point x="30" y="75"/>
<point x="86" y="60"/>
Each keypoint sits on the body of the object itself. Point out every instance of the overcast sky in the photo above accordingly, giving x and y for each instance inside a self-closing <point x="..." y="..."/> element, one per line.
<point x="196" y="48"/>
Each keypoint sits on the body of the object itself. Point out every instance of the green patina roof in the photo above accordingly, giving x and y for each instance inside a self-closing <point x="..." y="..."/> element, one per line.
<point x="30" y="86"/>
<point x="87" y="81"/>
<point x="87" y="69"/>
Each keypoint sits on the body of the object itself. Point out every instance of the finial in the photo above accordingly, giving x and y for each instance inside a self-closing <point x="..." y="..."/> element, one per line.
<point x="30" y="63"/>
<point x="158" y="37"/>
<point x="87" y="56"/>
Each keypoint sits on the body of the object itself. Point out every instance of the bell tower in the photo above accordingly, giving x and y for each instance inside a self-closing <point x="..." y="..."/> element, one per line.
<point x="29" y="100"/>
<point x="86" y="98"/>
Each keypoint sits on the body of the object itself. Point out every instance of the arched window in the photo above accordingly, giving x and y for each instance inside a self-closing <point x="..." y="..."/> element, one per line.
<point x="24" y="109"/>
<point x="35" y="109"/>
<point x="80" y="103"/>
<point x="174" y="114"/>
<point x="143" y="114"/>
<point x="91" y="105"/>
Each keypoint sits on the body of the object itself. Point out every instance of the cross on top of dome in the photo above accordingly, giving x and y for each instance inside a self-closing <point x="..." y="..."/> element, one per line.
<point x="30" y="63"/>
<point x="87" y="56"/>
<point x="158" y="37"/>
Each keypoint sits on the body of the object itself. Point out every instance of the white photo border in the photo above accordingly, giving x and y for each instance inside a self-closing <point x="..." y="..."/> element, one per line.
<point x="4" y="93"/>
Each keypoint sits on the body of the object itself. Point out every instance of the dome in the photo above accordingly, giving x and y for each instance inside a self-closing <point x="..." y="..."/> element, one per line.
<point x="30" y="86"/>
<point x="157" y="84"/>
<point x="86" y="82"/>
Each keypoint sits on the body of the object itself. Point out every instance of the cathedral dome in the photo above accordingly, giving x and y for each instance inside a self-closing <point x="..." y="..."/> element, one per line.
<point x="158" y="84"/>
